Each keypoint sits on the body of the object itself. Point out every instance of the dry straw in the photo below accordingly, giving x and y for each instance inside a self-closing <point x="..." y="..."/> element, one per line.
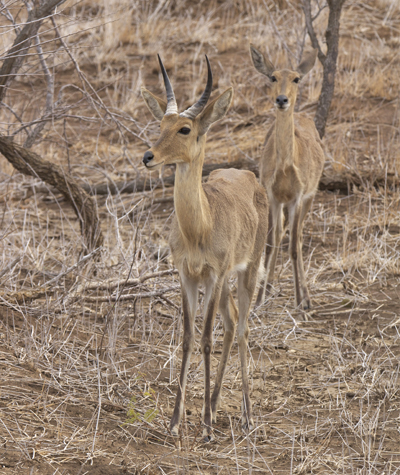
<point x="326" y="390"/>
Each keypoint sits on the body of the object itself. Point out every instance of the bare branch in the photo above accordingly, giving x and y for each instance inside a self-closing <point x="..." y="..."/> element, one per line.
<point x="92" y="92"/>
<point x="143" y="295"/>
<point x="113" y="284"/>
<point x="31" y="164"/>
<point x="3" y="104"/>
<point x="73" y="267"/>
<point x="17" y="52"/>
<point x="49" y="97"/>
<point x="310" y="29"/>
<point x="6" y="13"/>
<point x="329" y="60"/>
<point x="276" y="30"/>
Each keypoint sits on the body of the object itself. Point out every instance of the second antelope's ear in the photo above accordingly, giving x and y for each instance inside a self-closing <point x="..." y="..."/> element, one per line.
<point x="156" y="105"/>
<point x="215" y="111"/>
<point x="307" y="63"/>
<point x="262" y="64"/>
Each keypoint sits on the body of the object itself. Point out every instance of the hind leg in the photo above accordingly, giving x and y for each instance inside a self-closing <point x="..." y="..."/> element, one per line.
<point x="189" y="289"/>
<point x="229" y="314"/>
<point x="246" y="285"/>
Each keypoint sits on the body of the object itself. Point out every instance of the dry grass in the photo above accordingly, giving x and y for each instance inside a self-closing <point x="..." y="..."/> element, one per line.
<point x="89" y="367"/>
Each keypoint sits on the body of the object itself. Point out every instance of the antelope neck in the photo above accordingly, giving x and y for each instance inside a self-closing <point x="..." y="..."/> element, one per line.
<point x="284" y="138"/>
<point x="191" y="205"/>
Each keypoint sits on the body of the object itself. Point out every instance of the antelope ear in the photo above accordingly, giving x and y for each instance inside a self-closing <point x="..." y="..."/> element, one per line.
<point x="262" y="64"/>
<point x="308" y="62"/>
<point x="156" y="105"/>
<point x="215" y="111"/>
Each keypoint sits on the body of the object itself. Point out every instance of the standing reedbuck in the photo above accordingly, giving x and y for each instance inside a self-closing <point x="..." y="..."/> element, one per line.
<point x="219" y="227"/>
<point x="291" y="166"/>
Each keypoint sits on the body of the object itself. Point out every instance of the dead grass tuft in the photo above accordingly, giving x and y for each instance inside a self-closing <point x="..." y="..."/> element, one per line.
<point x="90" y="351"/>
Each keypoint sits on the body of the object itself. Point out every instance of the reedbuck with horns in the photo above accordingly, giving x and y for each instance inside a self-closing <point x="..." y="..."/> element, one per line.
<point x="219" y="227"/>
<point x="291" y="166"/>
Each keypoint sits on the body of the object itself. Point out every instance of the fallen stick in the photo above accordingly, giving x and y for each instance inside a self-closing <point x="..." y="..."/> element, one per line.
<point x="113" y="284"/>
<point x="146" y="183"/>
<point x="335" y="182"/>
<point x="143" y="295"/>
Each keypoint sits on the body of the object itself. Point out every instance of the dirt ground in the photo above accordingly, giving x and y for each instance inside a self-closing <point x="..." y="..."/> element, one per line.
<point x="90" y="350"/>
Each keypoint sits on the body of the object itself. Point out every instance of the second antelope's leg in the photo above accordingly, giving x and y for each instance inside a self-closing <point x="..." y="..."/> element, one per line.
<point x="295" y="211"/>
<point x="303" y="283"/>
<point x="262" y="292"/>
<point x="189" y="290"/>
<point x="274" y="237"/>
<point x="246" y="284"/>
<point x="229" y="313"/>
<point x="212" y="297"/>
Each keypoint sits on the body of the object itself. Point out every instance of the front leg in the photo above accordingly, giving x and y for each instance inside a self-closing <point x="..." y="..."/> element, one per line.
<point x="189" y="289"/>
<point x="306" y="302"/>
<point x="229" y="314"/>
<point x="274" y="237"/>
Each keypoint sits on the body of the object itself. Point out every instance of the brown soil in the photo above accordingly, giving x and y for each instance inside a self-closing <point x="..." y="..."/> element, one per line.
<point x="88" y="383"/>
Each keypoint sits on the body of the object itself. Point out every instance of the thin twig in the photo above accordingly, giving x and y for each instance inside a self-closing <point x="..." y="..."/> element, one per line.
<point x="49" y="97"/>
<point x="310" y="29"/>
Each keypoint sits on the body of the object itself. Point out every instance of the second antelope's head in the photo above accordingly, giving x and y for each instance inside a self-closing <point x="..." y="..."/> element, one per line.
<point x="284" y="82"/>
<point x="182" y="136"/>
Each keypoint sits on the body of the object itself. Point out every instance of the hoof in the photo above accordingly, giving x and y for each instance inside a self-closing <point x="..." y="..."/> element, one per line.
<point x="175" y="431"/>
<point x="208" y="438"/>
<point x="248" y="426"/>
<point x="207" y="434"/>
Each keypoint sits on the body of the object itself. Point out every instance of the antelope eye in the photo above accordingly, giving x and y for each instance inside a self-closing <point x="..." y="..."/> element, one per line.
<point x="296" y="80"/>
<point x="184" y="131"/>
<point x="273" y="78"/>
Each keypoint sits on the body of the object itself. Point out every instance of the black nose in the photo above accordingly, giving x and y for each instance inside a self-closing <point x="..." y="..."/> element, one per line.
<point x="281" y="101"/>
<point x="147" y="157"/>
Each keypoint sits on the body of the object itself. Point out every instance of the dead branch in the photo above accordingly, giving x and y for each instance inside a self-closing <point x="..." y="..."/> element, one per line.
<point x="338" y="182"/>
<point x="329" y="60"/>
<point x="30" y="163"/>
<point x="144" y="184"/>
<point x="113" y="284"/>
<point x="72" y="268"/>
<point x="16" y="54"/>
<point x="49" y="97"/>
<point x="91" y="94"/>
<point x="143" y="295"/>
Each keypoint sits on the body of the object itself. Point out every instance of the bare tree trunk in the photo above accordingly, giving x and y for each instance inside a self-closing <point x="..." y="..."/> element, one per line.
<point x="30" y="163"/>
<point x="328" y="60"/>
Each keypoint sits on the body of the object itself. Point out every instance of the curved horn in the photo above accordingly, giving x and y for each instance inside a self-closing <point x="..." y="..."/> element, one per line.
<point x="195" y="110"/>
<point x="172" y="107"/>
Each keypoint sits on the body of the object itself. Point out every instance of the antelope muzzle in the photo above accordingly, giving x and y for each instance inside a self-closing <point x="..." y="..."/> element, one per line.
<point x="282" y="102"/>
<point x="148" y="157"/>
